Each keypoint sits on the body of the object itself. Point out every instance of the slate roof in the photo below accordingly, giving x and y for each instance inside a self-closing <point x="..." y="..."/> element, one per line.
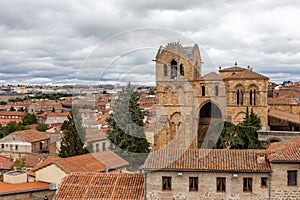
<point x="101" y="186"/>
<point x="208" y="160"/>
<point x="287" y="151"/>
<point x="32" y="135"/>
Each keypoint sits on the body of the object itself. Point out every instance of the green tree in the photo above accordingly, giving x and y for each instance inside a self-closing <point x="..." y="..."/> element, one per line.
<point x="72" y="143"/>
<point x="19" y="164"/>
<point x="12" y="109"/>
<point x="29" y="119"/>
<point x="11" y="127"/>
<point x="42" y="127"/>
<point x="230" y="137"/>
<point x="126" y="128"/>
<point x="3" y="103"/>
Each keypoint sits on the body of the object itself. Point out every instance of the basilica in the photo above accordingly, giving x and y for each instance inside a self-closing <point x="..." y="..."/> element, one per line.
<point x="191" y="104"/>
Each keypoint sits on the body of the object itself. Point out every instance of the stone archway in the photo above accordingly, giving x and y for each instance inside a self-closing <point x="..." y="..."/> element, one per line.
<point x="209" y="113"/>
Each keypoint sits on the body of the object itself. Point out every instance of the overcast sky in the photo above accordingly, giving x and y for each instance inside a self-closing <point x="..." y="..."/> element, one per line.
<point x="71" y="42"/>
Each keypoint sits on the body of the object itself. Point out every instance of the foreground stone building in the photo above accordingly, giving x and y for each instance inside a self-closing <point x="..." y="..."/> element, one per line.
<point x="189" y="103"/>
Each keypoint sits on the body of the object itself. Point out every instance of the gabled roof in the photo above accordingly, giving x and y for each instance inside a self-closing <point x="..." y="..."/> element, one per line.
<point x="242" y="73"/>
<point x="101" y="186"/>
<point x="287" y="151"/>
<point x="32" y="135"/>
<point x="212" y="76"/>
<point x="208" y="160"/>
<point x="91" y="162"/>
<point x="232" y="69"/>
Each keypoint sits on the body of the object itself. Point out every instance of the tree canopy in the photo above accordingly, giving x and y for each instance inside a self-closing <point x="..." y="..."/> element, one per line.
<point x="242" y="135"/>
<point x="126" y="128"/>
<point x="29" y="118"/>
<point x="73" y="141"/>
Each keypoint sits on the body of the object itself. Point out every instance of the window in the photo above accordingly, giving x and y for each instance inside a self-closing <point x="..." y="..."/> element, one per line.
<point x="253" y="97"/>
<point x="165" y="70"/>
<point x="247" y="185"/>
<point x="2" y="146"/>
<point x="181" y="70"/>
<point x="203" y="91"/>
<point x="16" y="147"/>
<point x="217" y="90"/>
<point x="221" y="184"/>
<point x="11" y="146"/>
<point x="264" y="181"/>
<point x="173" y="69"/>
<point x="193" y="183"/>
<point x="103" y="146"/>
<point x="239" y="97"/>
<point x="196" y="70"/>
<point x="292" y="177"/>
<point x="97" y="147"/>
<point x="250" y="97"/>
<point x="166" y="183"/>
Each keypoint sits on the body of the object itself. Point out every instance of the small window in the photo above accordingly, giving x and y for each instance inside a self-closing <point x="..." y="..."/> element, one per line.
<point x="2" y="146"/>
<point x="247" y="185"/>
<point x="221" y="184"/>
<point x="217" y="90"/>
<point x="166" y="183"/>
<point x="292" y="177"/>
<point x="264" y="181"/>
<point x="97" y="147"/>
<point x="203" y="91"/>
<point x="16" y="147"/>
<point x="103" y="146"/>
<point x="165" y="70"/>
<point x="181" y="70"/>
<point x="193" y="183"/>
<point x="173" y="69"/>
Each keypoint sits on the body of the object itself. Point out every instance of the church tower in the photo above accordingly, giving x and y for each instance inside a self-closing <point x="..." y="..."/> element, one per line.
<point x="181" y="93"/>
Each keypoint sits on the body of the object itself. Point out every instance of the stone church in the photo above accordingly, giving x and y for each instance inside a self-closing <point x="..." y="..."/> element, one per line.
<point x="191" y="105"/>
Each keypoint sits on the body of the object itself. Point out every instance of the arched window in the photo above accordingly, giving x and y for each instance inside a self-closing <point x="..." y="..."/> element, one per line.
<point x="239" y="97"/>
<point x="173" y="69"/>
<point x="254" y="98"/>
<point x="165" y="70"/>
<point x="217" y="90"/>
<point x="250" y="97"/>
<point x="203" y="90"/>
<point x="196" y="70"/>
<point x="181" y="70"/>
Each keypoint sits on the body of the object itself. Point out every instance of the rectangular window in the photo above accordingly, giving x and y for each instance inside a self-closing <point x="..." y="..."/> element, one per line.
<point x="217" y="90"/>
<point x="16" y="147"/>
<point x="221" y="184"/>
<point x="2" y="146"/>
<point x="292" y="177"/>
<point x="264" y="181"/>
<point x="97" y="147"/>
<point x="166" y="183"/>
<point x="193" y="183"/>
<point x="11" y="146"/>
<point x="165" y="70"/>
<point x="103" y="146"/>
<point x="247" y="185"/>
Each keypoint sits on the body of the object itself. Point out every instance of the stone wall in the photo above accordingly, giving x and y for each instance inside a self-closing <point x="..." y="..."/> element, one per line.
<point x="206" y="188"/>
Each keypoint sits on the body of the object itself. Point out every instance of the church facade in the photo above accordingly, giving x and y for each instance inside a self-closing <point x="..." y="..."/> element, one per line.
<point x="191" y="106"/>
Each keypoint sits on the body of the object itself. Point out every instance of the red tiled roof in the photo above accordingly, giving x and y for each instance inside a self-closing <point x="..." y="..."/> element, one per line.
<point x="208" y="159"/>
<point x="5" y="163"/>
<point x="212" y="76"/>
<point x="232" y="69"/>
<point x="12" y="113"/>
<point x="31" y="160"/>
<point x="288" y="151"/>
<point x="284" y="115"/>
<point x="33" y="135"/>
<point x="247" y="74"/>
<point x="18" y="187"/>
<point x="101" y="186"/>
<point x="58" y="114"/>
<point x="85" y="163"/>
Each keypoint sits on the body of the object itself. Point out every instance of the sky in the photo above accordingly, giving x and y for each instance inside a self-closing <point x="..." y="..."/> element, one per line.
<point x="108" y="42"/>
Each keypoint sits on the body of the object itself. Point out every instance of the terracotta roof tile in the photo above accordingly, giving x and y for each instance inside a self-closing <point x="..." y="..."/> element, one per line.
<point x="284" y="115"/>
<point x="101" y="186"/>
<point x="95" y="162"/>
<point x="5" y="163"/>
<point x="232" y="69"/>
<point x="247" y="74"/>
<point x="18" y="187"/>
<point x="32" y="160"/>
<point x="208" y="159"/>
<point x="212" y="76"/>
<point x="32" y="135"/>
<point x="287" y="151"/>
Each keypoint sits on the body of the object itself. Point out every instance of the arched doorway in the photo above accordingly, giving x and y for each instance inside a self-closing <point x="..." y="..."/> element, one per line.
<point x="209" y="114"/>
